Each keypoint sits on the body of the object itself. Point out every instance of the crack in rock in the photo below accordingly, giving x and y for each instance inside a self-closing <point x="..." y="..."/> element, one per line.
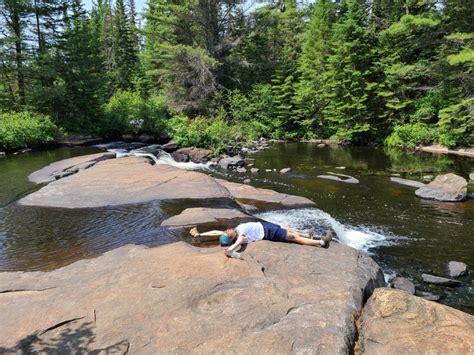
<point x="27" y="290"/>
<point x="60" y="324"/>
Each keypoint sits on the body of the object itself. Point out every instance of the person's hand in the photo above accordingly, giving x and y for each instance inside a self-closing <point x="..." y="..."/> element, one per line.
<point x="194" y="232"/>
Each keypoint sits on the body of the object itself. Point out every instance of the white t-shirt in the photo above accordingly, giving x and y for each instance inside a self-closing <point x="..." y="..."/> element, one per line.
<point x="252" y="230"/>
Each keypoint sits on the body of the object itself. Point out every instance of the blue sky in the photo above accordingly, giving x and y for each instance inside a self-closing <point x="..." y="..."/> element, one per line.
<point x="140" y="4"/>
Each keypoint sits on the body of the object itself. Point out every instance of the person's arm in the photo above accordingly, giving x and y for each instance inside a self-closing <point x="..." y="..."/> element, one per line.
<point x="231" y="250"/>
<point x="214" y="233"/>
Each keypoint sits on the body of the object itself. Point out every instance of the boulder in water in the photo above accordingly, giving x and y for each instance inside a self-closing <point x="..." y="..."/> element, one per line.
<point x="401" y="283"/>
<point x="285" y="170"/>
<point x="471" y="177"/>
<point x="254" y="170"/>
<point x="170" y="147"/>
<point x="442" y="281"/>
<point x="196" y="155"/>
<point x="241" y="170"/>
<point x="395" y="322"/>
<point x="231" y="162"/>
<point x="448" y="187"/>
<point x="457" y="269"/>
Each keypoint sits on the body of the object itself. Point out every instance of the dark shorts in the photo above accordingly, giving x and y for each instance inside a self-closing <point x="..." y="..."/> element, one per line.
<point x="273" y="232"/>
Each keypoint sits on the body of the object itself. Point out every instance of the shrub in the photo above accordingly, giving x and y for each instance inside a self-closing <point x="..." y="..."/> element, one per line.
<point x="24" y="129"/>
<point x="410" y="135"/>
<point x="129" y="113"/>
<point x="456" y="124"/>
<point x="206" y="132"/>
<point x="254" y="114"/>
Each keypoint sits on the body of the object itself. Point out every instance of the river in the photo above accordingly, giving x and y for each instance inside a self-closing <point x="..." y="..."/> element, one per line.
<point x="406" y="235"/>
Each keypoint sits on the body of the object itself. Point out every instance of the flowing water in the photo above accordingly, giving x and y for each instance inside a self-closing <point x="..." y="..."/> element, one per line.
<point x="406" y="235"/>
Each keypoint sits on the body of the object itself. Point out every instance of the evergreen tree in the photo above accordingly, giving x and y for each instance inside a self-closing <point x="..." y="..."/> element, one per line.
<point x="346" y="85"/>
<point x="311" y="66"/>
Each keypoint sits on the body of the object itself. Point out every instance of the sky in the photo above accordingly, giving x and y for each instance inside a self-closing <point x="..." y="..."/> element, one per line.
<point x="140" y="4"/>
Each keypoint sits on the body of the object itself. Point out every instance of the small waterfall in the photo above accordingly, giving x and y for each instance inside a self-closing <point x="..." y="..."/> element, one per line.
<point x="153" y="152"/>
<point x="359" y="237"/>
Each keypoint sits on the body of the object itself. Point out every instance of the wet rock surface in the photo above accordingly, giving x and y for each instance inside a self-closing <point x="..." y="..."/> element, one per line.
<point x="395" y="322"/>
<point x="340" y="177"/>
<point x="281" y="298"/>
<point x="448" y="187"/>
<point x="231" y="162"/>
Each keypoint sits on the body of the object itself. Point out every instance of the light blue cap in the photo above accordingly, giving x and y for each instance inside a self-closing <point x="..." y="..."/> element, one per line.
<point x="225" y="240"/>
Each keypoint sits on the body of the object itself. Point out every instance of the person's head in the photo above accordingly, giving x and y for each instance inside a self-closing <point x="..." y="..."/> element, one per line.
<point x="228" y="238"/>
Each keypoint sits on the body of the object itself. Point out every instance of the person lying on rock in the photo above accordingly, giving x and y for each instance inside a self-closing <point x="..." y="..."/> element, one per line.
<point x="250" y="232"/>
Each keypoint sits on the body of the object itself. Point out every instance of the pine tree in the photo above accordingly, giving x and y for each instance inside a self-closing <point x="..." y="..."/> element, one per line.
<point x="347" y="84"/>
<point x="311" y="66"/>
<point x="126" y="56"/>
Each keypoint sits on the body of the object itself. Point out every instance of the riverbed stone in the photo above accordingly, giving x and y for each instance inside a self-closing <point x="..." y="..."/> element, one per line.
<point x="124" y="181"/>
<point x="196" y="155"/>
<point x="202" y="215"/>
<point x="231" y="162"/>
<point x="428" y="296"/>
<point x="395" y="322"/>
<point x="437" y="280"/>
<point x="264" y="197"/>
<point x="403" y="284"/>
<point x="471" y="177"/>
<point x="62" y="168"/>
<point x="407" y="182"/>
<point x="448" y="187"/>
<point x="2" y="154"/>
<point x="285" y="170"/>
<point x="340" y="177"/>
<point x="254" y="170"/>
<point x="241" y="170"/>
<point x="170" y="147"/>
<point x="457" y="269"/>
<point x="281" y="298"/>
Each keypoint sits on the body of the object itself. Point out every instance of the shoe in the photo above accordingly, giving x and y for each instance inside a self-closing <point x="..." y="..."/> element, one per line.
<point x="326" y="239"/>
<point x="311" y="233"/>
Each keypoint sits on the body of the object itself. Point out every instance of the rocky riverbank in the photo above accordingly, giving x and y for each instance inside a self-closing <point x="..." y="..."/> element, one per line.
<point x="281" y="298"/>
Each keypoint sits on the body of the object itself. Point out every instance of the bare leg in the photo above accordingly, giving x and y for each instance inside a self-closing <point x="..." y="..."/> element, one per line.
<point x="297" y="237"/>
<point x="295" y="232"/>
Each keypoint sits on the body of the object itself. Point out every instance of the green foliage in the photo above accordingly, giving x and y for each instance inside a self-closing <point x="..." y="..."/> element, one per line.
<point x="456" y="124"/>
<point x="129" y="113"/>
<point x="254" y="113"/>
<point x="24" y="129"/>
<point x="411" y="135"/>
<point x="205" y="132"/>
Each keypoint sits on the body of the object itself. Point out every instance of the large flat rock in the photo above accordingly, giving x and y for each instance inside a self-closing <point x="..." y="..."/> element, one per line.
<point x="135" y="180"/>
<point x="124" y="181"/>
<point x="202" y="215"/>
<point x="256" y="196"/>
<point x="282" y="298"/>
<point x="394" y="322"/>
<point x="66" y="167"/>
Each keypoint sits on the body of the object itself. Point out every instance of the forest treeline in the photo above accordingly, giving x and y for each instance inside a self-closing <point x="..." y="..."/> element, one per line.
<point x="211" y="72"/>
